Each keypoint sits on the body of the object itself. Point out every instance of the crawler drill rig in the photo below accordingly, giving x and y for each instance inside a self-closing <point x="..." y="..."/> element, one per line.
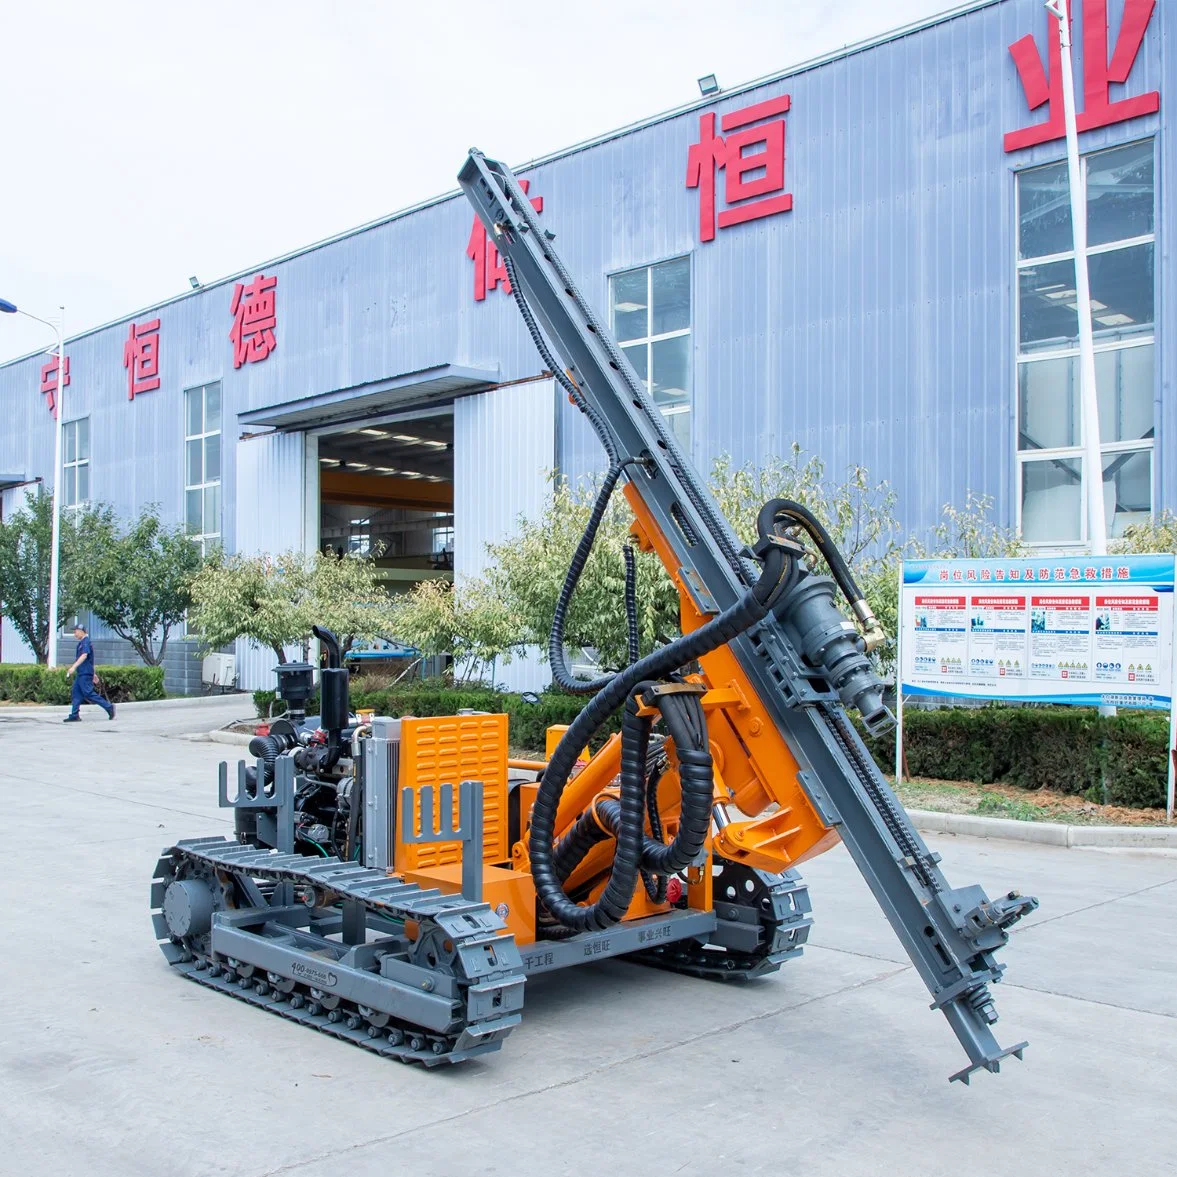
<point x="366" y="897"/>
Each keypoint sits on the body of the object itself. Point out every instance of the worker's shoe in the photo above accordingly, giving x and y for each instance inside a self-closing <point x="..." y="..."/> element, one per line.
<point x="72" y="719"/>
<point x="110" y="714"/>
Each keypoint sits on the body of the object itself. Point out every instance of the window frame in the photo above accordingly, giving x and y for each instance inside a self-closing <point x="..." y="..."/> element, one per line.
<point x="1020" y="358"/>
<point x="650" y="338"/>
<point x="68" y="467"/>
<point x="204" y="537"/>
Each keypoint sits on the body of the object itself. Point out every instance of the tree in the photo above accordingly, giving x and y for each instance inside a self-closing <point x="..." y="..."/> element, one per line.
<point x="347" y="597"/>
<point x="1157" y="535"/>
<point x="265" y="599"/>
<point x="858" y="513"/>
<point x="136" y="581"/>
<point x="273" y="600"/>
<point x="469" y="622"/>
<point x="25" y="546"/>
<point x="527" y="572"/>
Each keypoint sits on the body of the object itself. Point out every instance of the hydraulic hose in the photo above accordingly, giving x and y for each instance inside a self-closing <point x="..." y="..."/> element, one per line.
<point x="797" y="514"/>
<point x="687" y="726"/>
<point x="775" y="578"/>
<point x="632" y="634"/>
<point x="561" y="671"/>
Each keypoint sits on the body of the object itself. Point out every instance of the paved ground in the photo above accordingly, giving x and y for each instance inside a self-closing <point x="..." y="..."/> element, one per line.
<point x="109" y="1065"/>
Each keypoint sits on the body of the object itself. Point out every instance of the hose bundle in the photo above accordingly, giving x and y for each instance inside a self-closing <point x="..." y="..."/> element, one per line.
<point x="624" y="817"/>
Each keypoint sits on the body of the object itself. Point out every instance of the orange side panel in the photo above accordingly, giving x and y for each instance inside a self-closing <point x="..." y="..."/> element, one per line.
<point x="450" y="749"/>
<point x="510" y="893"/>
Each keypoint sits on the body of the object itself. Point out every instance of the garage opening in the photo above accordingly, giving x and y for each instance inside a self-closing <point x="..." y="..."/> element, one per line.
<point x="386" y="489"/>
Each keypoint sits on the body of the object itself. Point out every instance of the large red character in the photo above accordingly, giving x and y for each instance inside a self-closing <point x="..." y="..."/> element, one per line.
<point x="1043" y="85"/>
<point x="255" y="316"/>
<point x="49" y="383"/>
<point x="489" y="270"/>
<point x="141" y="358"/>
<point x="746" y="177"/>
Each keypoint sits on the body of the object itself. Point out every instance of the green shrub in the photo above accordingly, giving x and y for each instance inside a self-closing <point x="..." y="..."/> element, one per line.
<point x="39" y="684"/>
<point x="1136" y="767"/>
<point x="1073" y="750"/>
<point x="132" y="684"/>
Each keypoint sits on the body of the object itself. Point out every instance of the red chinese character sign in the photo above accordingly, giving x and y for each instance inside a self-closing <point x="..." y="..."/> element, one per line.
<point x="489" y="271"/>
<point x="141" y="358"/>
<point x="752" y="159"/>
<point x="1104" y="63"/>
<point x="255" y="318"/>
<point x="49" y="383"/>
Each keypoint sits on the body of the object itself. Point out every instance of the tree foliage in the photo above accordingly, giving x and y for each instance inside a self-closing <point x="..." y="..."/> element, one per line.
<point x="528" y="570"/>
<point x="1157" y="535"/>
<point x="468" y="621"/>
<point x="25" y="547"/>
<point x="273" y="600"/>
<point x="136" y="580"/>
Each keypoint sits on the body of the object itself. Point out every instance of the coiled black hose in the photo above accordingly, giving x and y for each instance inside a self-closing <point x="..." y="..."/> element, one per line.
<point x="561" y="671"/>
<point x="801" y="516"/>
<point x="632" y="634"/>
<point x="776" y="578"/>
<point x="269" y="748"/>
<point x="687" y="726"/>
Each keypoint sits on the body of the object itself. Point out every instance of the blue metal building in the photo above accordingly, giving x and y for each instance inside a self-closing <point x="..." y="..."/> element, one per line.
<point x="868" y="255"/>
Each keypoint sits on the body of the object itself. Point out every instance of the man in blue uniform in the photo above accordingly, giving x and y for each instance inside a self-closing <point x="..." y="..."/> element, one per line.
<point x="84" y="691"/>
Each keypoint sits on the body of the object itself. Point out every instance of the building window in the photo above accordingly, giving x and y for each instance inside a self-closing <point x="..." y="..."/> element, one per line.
<point x="202" y="464"/>
<point x="1121" y="244"/>
<point x="75" y="464"/>
<point x="651" y="313"/>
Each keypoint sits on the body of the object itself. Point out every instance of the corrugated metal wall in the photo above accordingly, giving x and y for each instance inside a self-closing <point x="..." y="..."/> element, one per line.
<point x="271" y="517"/>
<point x="504" y="446"/>
<point x="872" y="324"/>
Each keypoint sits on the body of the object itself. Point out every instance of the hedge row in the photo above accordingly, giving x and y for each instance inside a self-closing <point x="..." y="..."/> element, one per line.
<point x="528" y="721"/>
<point x="1118" y="760"/>
<point x="38" y="684"/>
<point x="1115" y="760"/>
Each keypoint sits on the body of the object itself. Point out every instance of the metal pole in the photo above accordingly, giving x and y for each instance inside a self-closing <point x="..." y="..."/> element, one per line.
<point x="54" y="557"/>
<point x="899" y="682"/>
<point x="1092" y="456"/>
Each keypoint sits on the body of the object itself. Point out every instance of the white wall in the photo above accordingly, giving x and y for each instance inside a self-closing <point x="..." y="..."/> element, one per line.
<point x="504" y="451"/>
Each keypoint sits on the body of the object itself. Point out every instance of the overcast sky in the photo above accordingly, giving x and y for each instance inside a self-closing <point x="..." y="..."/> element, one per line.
<point x="146" y="142"/>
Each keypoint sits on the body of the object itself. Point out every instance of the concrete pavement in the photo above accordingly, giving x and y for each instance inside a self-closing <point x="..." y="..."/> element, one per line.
<point x="835" y="1067"/>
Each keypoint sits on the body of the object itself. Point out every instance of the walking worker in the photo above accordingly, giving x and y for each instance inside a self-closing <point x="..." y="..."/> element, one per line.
<point x="83" y="690"/>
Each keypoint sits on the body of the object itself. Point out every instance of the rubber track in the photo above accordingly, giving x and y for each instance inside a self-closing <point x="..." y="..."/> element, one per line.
<point x="464" y="922"/>
<point x="783" y="939"/>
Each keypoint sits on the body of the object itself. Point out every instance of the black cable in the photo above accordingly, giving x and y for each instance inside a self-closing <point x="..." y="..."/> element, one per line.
<point x="801" y="516"/>
<point x="561" y="672"/>
<point x="632" y="634"/>
<point x="776" y="577"/>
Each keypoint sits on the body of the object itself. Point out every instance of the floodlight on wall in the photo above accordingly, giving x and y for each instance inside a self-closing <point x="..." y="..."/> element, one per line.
<point x="194" y="282"/>
<point x="708" y="85"/>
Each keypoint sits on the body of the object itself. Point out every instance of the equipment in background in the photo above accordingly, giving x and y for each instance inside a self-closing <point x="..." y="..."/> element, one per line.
<point x="395" y="882"/>
<point x="218" y="672"/>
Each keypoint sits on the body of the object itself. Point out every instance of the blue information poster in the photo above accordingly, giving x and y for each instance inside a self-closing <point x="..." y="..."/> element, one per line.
<point x="1061" y="630"/>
